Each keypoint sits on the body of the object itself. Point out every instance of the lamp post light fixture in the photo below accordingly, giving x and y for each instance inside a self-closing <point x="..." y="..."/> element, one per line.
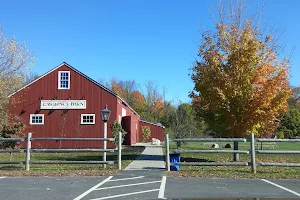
<point x="105" y="114"/>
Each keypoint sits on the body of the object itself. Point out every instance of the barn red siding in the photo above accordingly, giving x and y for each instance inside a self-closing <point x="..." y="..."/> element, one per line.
<point x="130" y="125"/>
<point x="156" y="131"/>
<point x="66" y="123"/>
<point x="59" y="123"/>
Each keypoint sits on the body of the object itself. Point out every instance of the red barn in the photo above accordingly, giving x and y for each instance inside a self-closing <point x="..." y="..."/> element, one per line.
<point x="66" y="103"/>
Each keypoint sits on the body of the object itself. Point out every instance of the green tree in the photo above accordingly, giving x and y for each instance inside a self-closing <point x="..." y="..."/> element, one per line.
<point x="290" y="123"/>
<point x="183" y="123"/>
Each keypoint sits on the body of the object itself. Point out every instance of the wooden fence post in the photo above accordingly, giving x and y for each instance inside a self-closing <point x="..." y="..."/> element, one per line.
<point x="119" y="150"/>
<point x="252" y="151"/>
<point x="236" y="156"/>
<point x="28" y="148"/>
<point x="167" y="146"/>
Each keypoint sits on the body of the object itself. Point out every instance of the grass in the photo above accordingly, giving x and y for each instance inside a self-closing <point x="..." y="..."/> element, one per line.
<point x="237" y="171"/>
<point x="128" y="155"/>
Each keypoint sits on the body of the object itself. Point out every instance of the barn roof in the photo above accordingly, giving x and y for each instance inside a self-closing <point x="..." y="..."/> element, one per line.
<point x="85" y="76"/>
<point x="158" y="124"/>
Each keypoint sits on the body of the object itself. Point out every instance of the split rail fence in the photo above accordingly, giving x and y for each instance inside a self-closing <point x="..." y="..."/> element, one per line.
<point x="252" y="151"/>
<point x="29" y="139"/>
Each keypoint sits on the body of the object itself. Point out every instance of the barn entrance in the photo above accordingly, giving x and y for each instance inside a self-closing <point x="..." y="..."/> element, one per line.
<point x="130" y="125"/>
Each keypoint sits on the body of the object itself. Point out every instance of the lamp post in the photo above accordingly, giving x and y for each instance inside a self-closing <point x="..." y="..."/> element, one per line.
<point x="105" y="114"/>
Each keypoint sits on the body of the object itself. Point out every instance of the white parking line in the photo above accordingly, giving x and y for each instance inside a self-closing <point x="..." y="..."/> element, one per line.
<point x="118" y="186"/>
<point x="127" y="178"/>
<point x="161" y="194"/>
<point x="126" y="194"/>
<point x="286" y="189"/>
<point x="93" y="188"/>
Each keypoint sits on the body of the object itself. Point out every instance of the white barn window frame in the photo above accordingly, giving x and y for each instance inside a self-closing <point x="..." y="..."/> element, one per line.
<point x="123" y="112"/>
<point x="64" y="80"/>
<point x="88" y="119"/>
<point x="36" y="119"/>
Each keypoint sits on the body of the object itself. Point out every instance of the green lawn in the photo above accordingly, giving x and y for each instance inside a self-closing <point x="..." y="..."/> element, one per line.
<point x="236" y="171"/>
<point x="128" y="155"/>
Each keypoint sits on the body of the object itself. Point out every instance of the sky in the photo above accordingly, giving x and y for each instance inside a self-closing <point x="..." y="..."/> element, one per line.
<point x="139" y="40"/>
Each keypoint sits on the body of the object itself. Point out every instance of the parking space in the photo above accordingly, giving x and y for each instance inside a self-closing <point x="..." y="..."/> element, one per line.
<point x="46" y="188"/>
<point x="291" y="184"/>
<point x="125" y="187"/>
<point x="143" y="185"/>
<point x="223" y="188"/>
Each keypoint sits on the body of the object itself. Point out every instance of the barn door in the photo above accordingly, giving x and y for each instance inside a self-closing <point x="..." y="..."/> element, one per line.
<point x="134" y="126"/>
<point x="126" y="125"/>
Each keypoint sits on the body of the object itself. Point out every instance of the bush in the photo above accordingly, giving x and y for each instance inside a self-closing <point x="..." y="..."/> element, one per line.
<point x="280" y="135"/>
<point x="146" y="133"/>
<point x="115" y="128"/>
<point x="11" y="130"/>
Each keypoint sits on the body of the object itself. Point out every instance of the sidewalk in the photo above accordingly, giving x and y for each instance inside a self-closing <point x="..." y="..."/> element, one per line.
<point x="151" y="158"/>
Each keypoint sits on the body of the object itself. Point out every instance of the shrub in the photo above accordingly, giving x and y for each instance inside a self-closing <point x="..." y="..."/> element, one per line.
<point x="280" y="135"/>
<point x="146" y="133"/>
<point x="11" y="130"/>
<point x="115" y="128"/>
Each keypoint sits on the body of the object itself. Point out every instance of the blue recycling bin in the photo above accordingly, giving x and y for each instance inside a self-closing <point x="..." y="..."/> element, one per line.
<point x="175" y="158"/>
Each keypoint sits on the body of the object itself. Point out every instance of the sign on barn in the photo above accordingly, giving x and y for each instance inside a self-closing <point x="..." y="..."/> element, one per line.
<point x="62" y="104"/>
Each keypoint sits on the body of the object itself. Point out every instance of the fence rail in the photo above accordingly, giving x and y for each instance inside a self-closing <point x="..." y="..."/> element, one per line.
<point x="72" y="162"/>
<point x="75" y="139"/>
<point x="278" y="164"/>
<point x="29" y="150"/>
<point x="13" y="139"/>
<point x="208" y="151"/>
<point x="70" y="150"/>
<point x="276" y="140"/>
<point x="213" y="163"/>
<point x="12" y="150"/>
<point x="276" y="152"/>
<point x="209" y="140"/>
<point x="252" y="151"/>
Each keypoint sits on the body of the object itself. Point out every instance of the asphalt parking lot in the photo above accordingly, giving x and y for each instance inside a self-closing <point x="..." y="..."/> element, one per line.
<point x="143" y="185"/>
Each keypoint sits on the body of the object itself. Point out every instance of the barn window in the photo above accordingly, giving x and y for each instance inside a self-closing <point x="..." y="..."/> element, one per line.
<point x="87" y="118"/>
<point x="123" y="112"/>
<point x="63" y="80"/>
<point x="36" y="119"/>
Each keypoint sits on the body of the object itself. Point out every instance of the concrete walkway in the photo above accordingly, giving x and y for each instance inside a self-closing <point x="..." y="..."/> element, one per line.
<point x="151" y="158"/>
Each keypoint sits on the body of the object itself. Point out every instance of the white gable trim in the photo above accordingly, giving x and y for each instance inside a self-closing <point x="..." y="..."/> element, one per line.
<point x="126" y="104"/>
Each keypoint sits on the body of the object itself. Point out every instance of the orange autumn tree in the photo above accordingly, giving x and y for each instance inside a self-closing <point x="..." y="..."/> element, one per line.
<point x="128" y="91"/>
<point x="240" y="85"/>
<point x="138" y="101"/>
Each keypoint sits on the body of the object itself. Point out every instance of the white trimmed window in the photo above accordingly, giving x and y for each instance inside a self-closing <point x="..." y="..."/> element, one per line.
<point x="87" y="118"/>
<point x="64" y="80"/>
<point x="36" y="119"/>
<point x="123" y="112"/>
